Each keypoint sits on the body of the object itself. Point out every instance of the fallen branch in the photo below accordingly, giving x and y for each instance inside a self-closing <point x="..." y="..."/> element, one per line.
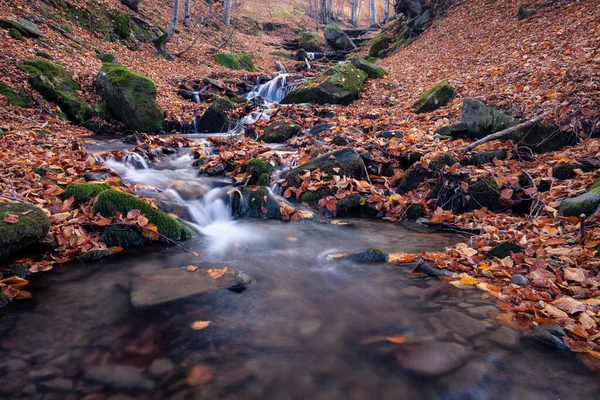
<point x="451" y="228"/>
<point x="506" y="132"/>
<point x="225" y="42"/>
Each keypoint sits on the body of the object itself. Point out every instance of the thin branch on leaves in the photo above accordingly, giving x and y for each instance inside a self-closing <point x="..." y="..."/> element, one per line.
<point x="226" y="41"/>
<point x="204" y="23"/>
<point x="444" y="226"/>
<point x="506" y="132"/>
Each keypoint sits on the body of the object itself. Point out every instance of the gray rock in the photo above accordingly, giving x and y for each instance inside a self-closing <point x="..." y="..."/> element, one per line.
<point x="315" y="130"/>
<point x="462" y="324"/>
<point x="337" y="38"/>
<point x="482" y="120"/>
<point x="58" y="385"/>
<point x="217" y="117"/>
<point x="160" y="367"/>
<point x="505" y="337"/>
<point x="26" y="28"/>
<point x="433" y="358"/>
<point x="546" y="338"/>
<point x="481" y="312"/>
<point x="177" y="284"/>
<point x="96" y="176"/>
<point x="554" y="329"/>
<point x="520" y="280"/>
<point x="120" y="377"/>
<point x="586" y="203"/>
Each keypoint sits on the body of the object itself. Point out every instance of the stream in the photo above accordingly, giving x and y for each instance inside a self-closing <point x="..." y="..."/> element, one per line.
<point x="310" y="326"/>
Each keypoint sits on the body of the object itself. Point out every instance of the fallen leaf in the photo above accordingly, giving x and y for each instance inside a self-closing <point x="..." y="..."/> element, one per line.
<point x="11" y="219"/>
<point x="401" y="257"/>
<point x="199" y="375"/>
<point x="396" y="339"/>
<point x="199" y="325"/>
<point x="216" y="273"/>
<point x="191" y="268"/>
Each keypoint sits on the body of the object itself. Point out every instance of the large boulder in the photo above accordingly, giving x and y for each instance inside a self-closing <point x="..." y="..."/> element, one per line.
<point x="25" y="28"/>
<point x="26" y="225"/>
<point x="586" y="203"/>
<point x="217" y="118"/>
<point x="235" y="61"/>
<point x="309" y="41"/>
<point x="131" y="97"/>
<point x="338" y="85"/>
<point x="343" y="162"/>
<point x="259" y="203"/>
<point x="337" y="38"/>
<point x="436" y="97"/>
<point x="380" y="43"/>
<point x="413" y="177"/>
<point x="15" y="97"/>
<point x="56" y="84"/>
<point x="279" y="132"/>
<point x="372" y="70"/>
<point x="482" y="120"/>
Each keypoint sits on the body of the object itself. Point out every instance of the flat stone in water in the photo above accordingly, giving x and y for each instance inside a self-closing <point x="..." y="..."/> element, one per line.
<point x="433" y="358"/>
<point x="520" y="280"/>
<point x="160" y="367"/>
<point x="546" y="338"/>
<point x="120" y="377"/>
<point x="58" y="385"/>
<point x="505" y="337"/>
<point x="462" y="324"/>
<point x="176" y="284"/>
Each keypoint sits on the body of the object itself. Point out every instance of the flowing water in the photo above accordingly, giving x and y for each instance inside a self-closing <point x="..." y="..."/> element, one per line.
<point x="310" y="326"/>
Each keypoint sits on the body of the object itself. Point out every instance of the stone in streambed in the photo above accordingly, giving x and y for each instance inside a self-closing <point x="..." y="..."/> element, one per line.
<point x="32" y="226"/>
<point x="279" y="132"/>
<point x="343" y="162"/>
<point x="337" y="38"/>
<point x="433" y="358"/>
<point x="120" y="377"/>
<point x="217" y="118"/>
<point x="462" y="324"/>
<point x="548" y="335"/>
<point x="372" y="254"/>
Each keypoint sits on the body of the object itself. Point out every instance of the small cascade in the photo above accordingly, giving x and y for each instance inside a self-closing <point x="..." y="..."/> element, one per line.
<point x="274" y="90"/>
<point x="275" y="188"/>
<point x="135" y="160"/>
<point x="196" y="97"/>
<point x="311" y="56"/>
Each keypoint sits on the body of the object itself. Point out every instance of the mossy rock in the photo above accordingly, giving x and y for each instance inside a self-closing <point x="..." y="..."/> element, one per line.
<point x="43" y="54"/>
<point x="56" y="84"/>
<point x="372" y="70"/>
<point x="107" y="58"/>
<point x="312" y="197"/>
<point x="217" y="118"/>
<point x="586" y="203"/>
<point x="15" y="98"/>
<point x="256" y="168"/>
<point x="567" y="171"/>
<point x="504" y="250"/>
<point x="17" y="270"/>
<point x="301" y="55"/>
<point x="379" y="44"/>
<point x="95" y="255"/>
<point x="414" y="211"/>
<point x="443" y="160"/>
<point x="235" y="61"/>
<point x="279" y="132"/>
<point x="485" y="193"/>
<point x="436" y="97"/>
<point x="372" y="254"/>
<point x="339" y="140"/>
<point x="123" y="236"/>
<point x="343" y="162"/>
<point x="413" y="177"/>
<point x="32" y="226"/>
<point x="337" y="38"/>
<point x="84" y="192"/>
<point x="338" y="85"/>
<point x="309" y="41"/>
<point x="24" y="27"/>
<point x="485" y="157"/>
<point x="251" y="204"/>
<point x="15" y="34"/>
<point x="481" y="120"/>
<point x="131" y="97"/>
<point x="543" y="138"/>
<point x="112" y="201"/>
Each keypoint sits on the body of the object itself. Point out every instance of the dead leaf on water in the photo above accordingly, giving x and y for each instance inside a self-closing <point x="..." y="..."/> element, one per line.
<point x="401" y="257"/>
<point x="191" y="268"/>
<point x="199" y="375"/>
<point x="199" y="325"/>
<point x="216" y="273"/>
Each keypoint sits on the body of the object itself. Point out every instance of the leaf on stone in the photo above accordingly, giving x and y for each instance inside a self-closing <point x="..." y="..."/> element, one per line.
<point x="401" y="258"/>
<point x="216" y="273"/>
<point x="199" y="375"/>
<point x="396" y="339"/>
<point x="133" y="214"/>
<point x="11" y="219"/>
<point x="191" y="268"/>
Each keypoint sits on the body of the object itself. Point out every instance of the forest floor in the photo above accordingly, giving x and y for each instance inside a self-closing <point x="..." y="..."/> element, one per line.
<point x="548" y="62"/>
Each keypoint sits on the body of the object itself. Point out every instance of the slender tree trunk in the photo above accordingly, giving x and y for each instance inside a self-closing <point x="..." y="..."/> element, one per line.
<point x="374" y="21"/>
<point x="386" y="11"/>
<point x="358" y="7"/>
<point x="161" y="42"/>
<point x="227" y="12"/>
<point x="353" y="12"/>
<point x="186" y="18"/>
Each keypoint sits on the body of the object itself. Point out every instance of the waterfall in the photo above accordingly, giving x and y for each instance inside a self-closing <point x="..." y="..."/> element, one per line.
<point x="135" y="160"/>
<point x="196" y="97"/>
<point x="311" y="56"/>
<point x="274" y="90"/>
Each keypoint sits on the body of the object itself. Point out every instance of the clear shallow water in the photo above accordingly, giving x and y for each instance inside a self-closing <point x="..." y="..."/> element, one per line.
<point x="309" y="327"/>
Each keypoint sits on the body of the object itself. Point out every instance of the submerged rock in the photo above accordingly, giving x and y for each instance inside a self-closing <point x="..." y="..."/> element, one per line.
<point x="337" y="38"/>
<point x="372" y="254"/>
<point x="462" y="324"/>
<point x="31" y="227"/>
<point x="56" y="84"/>
<point x="131" y="97"/>
<point x="120" y="377"/>
<point x="217" y="118"/>
<point x="433" y="358"/>
<point x="436" y="97"/>
<point x="235" y="61"/>
<point x="177" y="284"/>
<point x="548" y="335"/>
<point x="279" y="132"/>
<point x="338" y="85"/>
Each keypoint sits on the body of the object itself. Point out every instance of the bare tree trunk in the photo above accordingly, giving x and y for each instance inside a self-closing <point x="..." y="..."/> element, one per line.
<point x="386" y="11"/>
<point x="358" y="11"/>
<point x="374" y="21"/>
<point x="186" y="18"/>
<point x="227" y="12"/>
<point x="161" y="42"/>
<point x="204" y="22"/>
<point x="353" y="12"/>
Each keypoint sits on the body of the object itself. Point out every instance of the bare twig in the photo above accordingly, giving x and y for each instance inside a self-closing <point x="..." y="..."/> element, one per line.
<point x="506" y="132"/>
<point x="208" y="15"/>
<point x="226" y="41"/>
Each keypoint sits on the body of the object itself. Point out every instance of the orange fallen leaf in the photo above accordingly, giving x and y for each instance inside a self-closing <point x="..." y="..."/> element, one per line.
<point x="396" y="339"/>
<point x="199" y="325"/>
<point x="11" y="219"/>
<point x="199" y="375"/>
<point x="216" y="273"/>
<point x="401" y="257"/>
<point x="191" y="268"/>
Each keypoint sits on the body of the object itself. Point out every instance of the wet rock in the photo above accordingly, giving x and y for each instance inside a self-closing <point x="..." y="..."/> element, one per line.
<point x="260" y="203"/>
<point x="120" y="377"/>
<point x="189" y="190"/>
<point x="131" y="97"/>
<point x="586" y="203"/>
<point x="315" y="130"/>
<point x="337" y="38"/>
<point x="161" y="367"/>
<point x="31" y="227"/>
<point x="431" y="270"/>
<point x="464" y="384"/>
<point x="372" y="70"/>
<point x="343" y="162"/>
<point x="504" y="250"/>
<point x="279" y="132"/>
<point x="372" y="254"/>
<point x="436" y="97"/>
<point x="259" y="172"/>
<point x="96" y="176"/>
<point x="520" y="280"/>
<point x="462" y="324"/>
<point x="58" y="385"/>
<point x="217" y="119"/>
<point x="546" y="338"/>
<point x="481" y="312"/>
<point x="414" y="211"/>
<point x="505" y="337"/>
<point x="433" y="358"/>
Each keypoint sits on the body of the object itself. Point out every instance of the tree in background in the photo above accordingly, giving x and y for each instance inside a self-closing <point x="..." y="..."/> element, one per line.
<point x="186" y="18"/>
<point x="227" y="12"/>
<point x="161" y="42"/>
<point x="374" y="21"/>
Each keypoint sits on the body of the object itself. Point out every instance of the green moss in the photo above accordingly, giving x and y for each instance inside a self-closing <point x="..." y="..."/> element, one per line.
<point x="485" y="193"/>
<point x="84" y="192"/>
<point x="112" y="201"/>
<point x="18" y="270"/>
<point x="216" y="118"/>
<point x="24" y="27"/>
<point x="436" y="97"/>
<point x="312" y="197"/>
<point x="380" y="43"/>
<point x="95" y="255"/>
<point x="372" y="254"/>
<point x="586" y="203"/>
<point x="567" y="171"/>
<point x="121" y="25"/>
<point x="256" y="168"/>
<point x="235" y="61"/>
<point x="413" y="177"/>
<point x="123" y="236"/>
<point x="485" y="157"/>
<point x="310" y="41"/>
<point x="32" y="226"/>
<point x="252" y="204"/>
<point x="4" y="300"/>
<point x="107" y="58"/>
<point x="15" y="34"/>
<point x="414" y="211"/>
<point x="15" y="98"/>
<point x="279" y="132"/>
<point x="43" y="133"/>
<point x="43" y="54"/>
<point x="372" y="70"/>
<point x="504" y="250"/>
<point x="446" y="159"/>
